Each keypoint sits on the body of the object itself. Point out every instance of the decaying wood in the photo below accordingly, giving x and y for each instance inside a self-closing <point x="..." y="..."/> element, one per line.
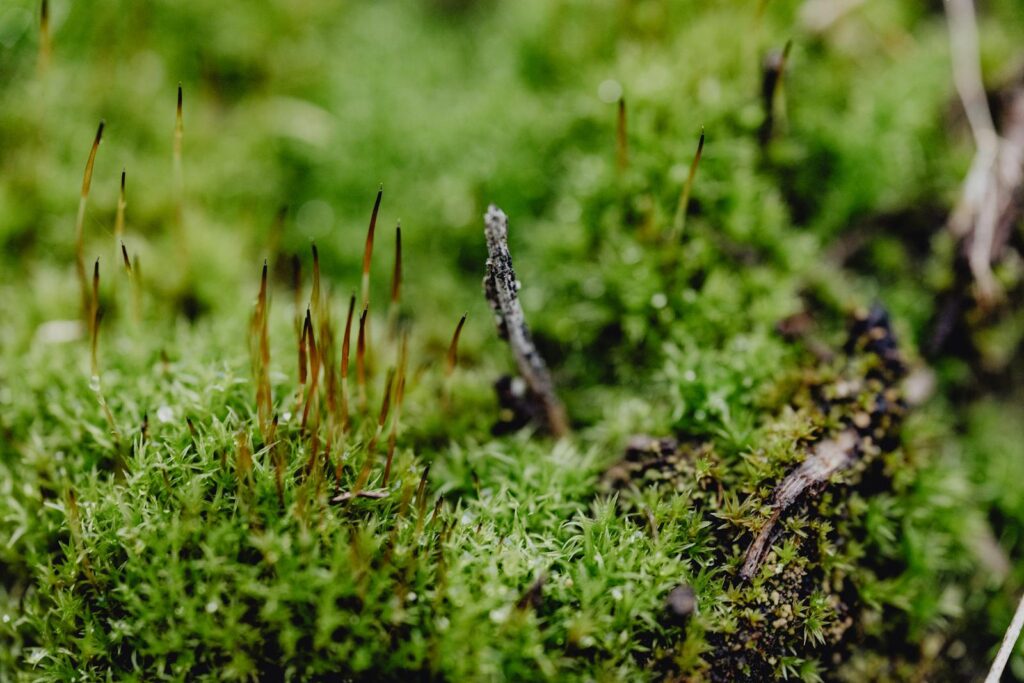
<point x="871" y="409"/>
<point x="501" y="289"/>
<point x="826" y="459"/>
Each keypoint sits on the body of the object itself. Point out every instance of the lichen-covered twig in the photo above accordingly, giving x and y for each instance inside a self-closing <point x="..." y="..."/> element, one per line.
<point x="501" y="289"/>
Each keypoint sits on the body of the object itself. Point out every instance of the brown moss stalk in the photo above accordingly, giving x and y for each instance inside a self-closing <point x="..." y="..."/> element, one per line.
<point x="83" y="200"/>
<point x="396" y="284"/>
<point x="94" y="320"/>
<point x="385" y="406"/>
<point x="368" y="250"/>
<point x="772" y="72"/>
<point x="679" y="222"/>
<point x="179" y="176"/>
<point x="260" y="353"/>
<point x="403" y="359"/>
<point x="44" y="36"/>
<point x="314" y="369"/>
<point x="314" y="296"/>
<point x="345" y="342"/>
<point x="452" y="357"/>
<point x="95" y="315"/>
<point x="119" y="216"/>
<point x="361" y="362"/>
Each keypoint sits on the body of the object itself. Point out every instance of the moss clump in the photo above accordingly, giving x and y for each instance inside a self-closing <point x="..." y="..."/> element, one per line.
<point x="205" y="539"/>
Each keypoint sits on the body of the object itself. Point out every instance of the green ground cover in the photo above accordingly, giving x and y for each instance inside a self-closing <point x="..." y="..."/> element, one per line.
<point x="181" y="539"/>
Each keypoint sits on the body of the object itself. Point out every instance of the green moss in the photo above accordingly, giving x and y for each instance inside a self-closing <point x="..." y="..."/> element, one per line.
<point x="157" y="554"/>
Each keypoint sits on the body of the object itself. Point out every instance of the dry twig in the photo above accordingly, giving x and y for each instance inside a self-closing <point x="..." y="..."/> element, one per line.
<point x="990" y="201"/>
<point x="501" y="288"/>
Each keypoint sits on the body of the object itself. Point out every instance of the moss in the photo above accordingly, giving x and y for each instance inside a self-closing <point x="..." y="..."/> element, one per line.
<point x="194" y="544"/>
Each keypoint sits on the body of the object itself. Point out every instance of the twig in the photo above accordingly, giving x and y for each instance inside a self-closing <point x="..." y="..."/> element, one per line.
<point x="501" y="289"/>
<point x="989" y="203"/>
<point x="1006" y="648"/>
